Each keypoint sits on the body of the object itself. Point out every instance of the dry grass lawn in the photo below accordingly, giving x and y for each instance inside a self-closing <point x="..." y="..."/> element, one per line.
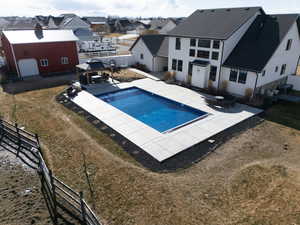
<point x="253" y="179"/>
<point x="298" y="70"/>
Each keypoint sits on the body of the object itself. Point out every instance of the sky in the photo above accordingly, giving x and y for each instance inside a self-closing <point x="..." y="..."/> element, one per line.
<point x="136" y="8"/>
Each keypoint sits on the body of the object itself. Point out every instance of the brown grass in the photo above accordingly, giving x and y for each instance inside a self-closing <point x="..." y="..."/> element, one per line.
<point x="298" y="71"/>
<point x="252" y="179"/>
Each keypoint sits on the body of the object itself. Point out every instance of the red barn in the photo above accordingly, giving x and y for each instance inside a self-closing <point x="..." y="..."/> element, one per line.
<point x="40" y="52"/>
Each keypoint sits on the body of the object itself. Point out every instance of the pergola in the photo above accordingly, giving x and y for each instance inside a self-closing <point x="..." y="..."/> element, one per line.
<point x="86" y="71"/>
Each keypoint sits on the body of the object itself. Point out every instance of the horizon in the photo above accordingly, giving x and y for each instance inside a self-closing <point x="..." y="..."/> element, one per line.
<point x="133" y="9"/>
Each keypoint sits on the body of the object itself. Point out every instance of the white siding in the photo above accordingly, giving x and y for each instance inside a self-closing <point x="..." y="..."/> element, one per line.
<point x="231" y="42"/>
<point x="141" y="48"/>
<point x="235" y="87"/>
<point x="183" y="55"/>
<point x="295" y="81"/>
<point x="280" y="57"/>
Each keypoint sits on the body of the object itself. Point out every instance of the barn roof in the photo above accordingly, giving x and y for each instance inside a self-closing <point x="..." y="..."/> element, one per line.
<point x="29" y="36"/>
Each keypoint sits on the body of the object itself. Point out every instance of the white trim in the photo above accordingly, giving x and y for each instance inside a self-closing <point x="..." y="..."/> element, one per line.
<point x="16" y="64"/>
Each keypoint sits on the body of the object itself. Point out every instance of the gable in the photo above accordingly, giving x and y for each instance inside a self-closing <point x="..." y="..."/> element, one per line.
<point x="260" y="42"/>
<point x="74" y="22"/>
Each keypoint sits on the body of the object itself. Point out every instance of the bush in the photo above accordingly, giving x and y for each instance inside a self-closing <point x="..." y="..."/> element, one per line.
<point x="150" y="32"/>
<point x="224" y="86"/>
<point x="141" y="67"/>
<point x="248" y="94"/>
<point x="210" y="87"/>
<point x="3" y="78"/>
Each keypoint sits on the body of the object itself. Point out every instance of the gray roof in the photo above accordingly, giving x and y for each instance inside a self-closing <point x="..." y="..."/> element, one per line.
<point x="30" y="36"/>
<point x="157" y="44"/>
<point x="261" y="41"/>
<point x="214" y="23"/>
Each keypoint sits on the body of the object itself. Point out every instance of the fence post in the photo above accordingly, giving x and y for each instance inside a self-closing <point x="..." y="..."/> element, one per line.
<point x="19" y="139"/>
<point x="53" y="196"/>
<point x="1" y="129"/>
<point x="83" y="212"/>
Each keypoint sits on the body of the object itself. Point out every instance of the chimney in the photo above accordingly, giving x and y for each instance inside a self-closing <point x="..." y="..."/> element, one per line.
<point x="38" y="30"/>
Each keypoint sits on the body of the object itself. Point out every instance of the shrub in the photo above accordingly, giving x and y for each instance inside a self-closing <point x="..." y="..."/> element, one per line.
<point x="248" y="94"/>
<point x="224" y="86"/>
<point x="150" y="32"/>
<point x="3" y="78"/>
<point x="210" y="87"/>
<point x="167" y="75"/>
<point x="141" y="67"/>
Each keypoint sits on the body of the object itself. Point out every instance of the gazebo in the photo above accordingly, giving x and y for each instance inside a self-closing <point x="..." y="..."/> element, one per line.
<point x="88" y="72"/>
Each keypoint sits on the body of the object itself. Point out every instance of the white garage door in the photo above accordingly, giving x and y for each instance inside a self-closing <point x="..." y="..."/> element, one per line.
<point x="28" y="67"/>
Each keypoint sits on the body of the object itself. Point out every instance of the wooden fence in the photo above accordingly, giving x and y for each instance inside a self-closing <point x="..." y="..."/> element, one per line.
<point x="58" y="196"/>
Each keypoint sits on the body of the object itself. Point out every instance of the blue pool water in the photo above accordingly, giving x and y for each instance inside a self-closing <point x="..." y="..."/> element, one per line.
<point x="157" y="112"/>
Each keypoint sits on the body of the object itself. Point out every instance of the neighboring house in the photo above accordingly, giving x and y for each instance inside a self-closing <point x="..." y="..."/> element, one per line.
<point x="73" y="22"/>
<point x="152" y="51"/>
<point x="242" y="47"/>
<point x="163" y="26"/>
<point x="17" y="23"/>
<point x="40" y="52"/>
<point x="123" y="26"/>
<point x="98" y="24"/>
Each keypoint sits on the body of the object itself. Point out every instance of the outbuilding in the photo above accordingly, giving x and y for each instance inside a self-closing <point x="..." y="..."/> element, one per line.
<point x="40" y="52"/>
<point x="152" y="51"/>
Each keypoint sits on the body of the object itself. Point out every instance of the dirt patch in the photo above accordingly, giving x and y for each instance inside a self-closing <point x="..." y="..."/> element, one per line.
<point x="21" y="198"/>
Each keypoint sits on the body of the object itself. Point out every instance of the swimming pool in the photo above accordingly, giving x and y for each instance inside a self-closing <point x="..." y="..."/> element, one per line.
<point x="153" y="110"/>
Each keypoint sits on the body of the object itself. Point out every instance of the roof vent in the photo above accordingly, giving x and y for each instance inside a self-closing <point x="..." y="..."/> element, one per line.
<point x="213" y="10"/>
<point x="202" y="11"/>
<point x="247" y="9"/>
<point x="228" y="10"/>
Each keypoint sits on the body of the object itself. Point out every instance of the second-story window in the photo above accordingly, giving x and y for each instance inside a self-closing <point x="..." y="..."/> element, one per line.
<point x="44" y="62"/>
<point x="204" y="43"/>
<point x="192" y="52"/>
<point x="289" y="44"/>
<point x="216" y="44"/>
<point x="142" y="56"/>
<point x="263" y="73"/>
<point x="178" y="44"/>
<point x="215" y="55"/>
<point x="193" y="42"/>
<point x="203" y="54"/>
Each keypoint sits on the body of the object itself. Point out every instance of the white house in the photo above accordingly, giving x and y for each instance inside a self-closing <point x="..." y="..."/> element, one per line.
<point x="152" y="51"/>
<point x="243" y="46"/>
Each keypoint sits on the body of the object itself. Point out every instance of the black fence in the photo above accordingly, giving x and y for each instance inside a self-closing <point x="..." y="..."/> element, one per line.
<point x="58" y="196"/>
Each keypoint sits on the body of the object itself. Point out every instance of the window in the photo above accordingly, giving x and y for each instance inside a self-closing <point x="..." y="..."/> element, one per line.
<point x="192" y="52"/>
<point x="213" y="73"/>
<point x="242" y="77"/>
<point x="289" y="44"/>
<point x="64" y="60"/>
<point x="178" y="44"/>
<point x="203" y="54"/>
<point x="216" y="44"/>
<point x="204" y="43"/>
<point x="174" y="64"/>
<point x="142" y="56"/>
<point x="233" y="75"/>
<point x="215" y="55"/>
<point x="263" y="73"/>
<point x="44" y="62"/>
<point x="283" y="69"/>
<point x="193" y="42"/>
<point x="276" y="69"/>
<point x="179" y="66"/>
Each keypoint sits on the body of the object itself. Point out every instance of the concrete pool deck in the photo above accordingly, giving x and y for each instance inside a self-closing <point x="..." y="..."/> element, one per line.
<point x="162" y="146"/>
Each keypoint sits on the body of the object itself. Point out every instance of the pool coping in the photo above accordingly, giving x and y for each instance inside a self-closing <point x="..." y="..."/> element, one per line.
<point x="181" y="160"/>
<point x="159" y="96"/>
